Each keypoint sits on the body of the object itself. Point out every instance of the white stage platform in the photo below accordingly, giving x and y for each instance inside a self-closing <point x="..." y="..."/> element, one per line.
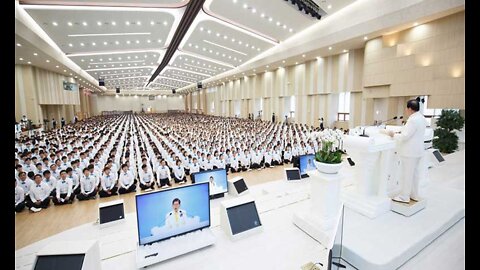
<point x="386" y="242"/>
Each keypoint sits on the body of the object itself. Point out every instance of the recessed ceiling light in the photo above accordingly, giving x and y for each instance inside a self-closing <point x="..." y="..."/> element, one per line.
<point x="35" y="54"/>
<point x="64" y="70"/>
<point x="415" y="24"/>
<point x="29" y="62"/>
<point x="21" y="59"/>
<point x="137" y="41"/>
<point x="245" y="6"/>
<point x="93" y="43"/>
<point x="329" y="6"/>
<point x="57" y="66"/>
<point x="254" y="10"/>
<point x="139" y="23"/>
<point x="165" y="23"/>
<point x="303" y="55"/>
<point x="262" y="15"/>
<point x="70" y="24"/>
<point x="330" y="48"/>
<point x="278" y="23"/>
<point x="270" y="19"/>
<point x="365" y="38"/>
<point x="159" y="40"/>
<point x="84" y="23"/>
<point x="344" y="51"/>
<point x="48" y="61"/>
<point x="234" y="1"/>
<point x="296" y="63"/>
<point x="128" y="41"/>
<point x="55" y="23"/>
<point x="99" y="23"/>
<point x="290" y="30"/>
<point x="283" y="61"/>
<point x="127" y="23"/>
<point x="116" y="42"/>
<point x="19" y="45"/>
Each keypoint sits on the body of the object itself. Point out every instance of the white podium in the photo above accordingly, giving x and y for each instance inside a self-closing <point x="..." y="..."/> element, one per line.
<point x="374" y="158"/>
<point x="320" y="219"/>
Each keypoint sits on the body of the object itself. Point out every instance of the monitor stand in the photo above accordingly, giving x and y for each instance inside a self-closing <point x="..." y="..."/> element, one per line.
<point x="216" y="196"/>
<point x="173" y="247"/>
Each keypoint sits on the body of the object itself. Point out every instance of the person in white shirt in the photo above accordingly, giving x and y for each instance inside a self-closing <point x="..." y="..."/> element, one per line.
<point x="19" y="198"/>
<point x="108" y="183"/>
<point x="64" y="190"/>
<point x="127" y="181"/>
<point x="39" y="195"/>
<point x="257" y="160"/>
<point x="277" y="157"/>
<point x="25" y="182"/>
<point x="234" y="165"/>
<point x="51" y="181"/>
<point x="146" y="178"/>
<point x="194" y="168"/>
<point x="163" y="175"/>
<point x="208" y="164"/>
<point x="268" y="159"/>
<point x="287" y="155"/>
<point x="75" y="181"/>
<point x="88" y="189"/>
<point x="179" y="173"/>
<point x="410" y="149"/>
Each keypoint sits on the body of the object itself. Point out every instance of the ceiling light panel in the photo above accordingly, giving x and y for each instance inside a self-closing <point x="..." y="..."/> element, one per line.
<point x="139" y="3"/>
<point x="279" y="23"/>
<point x="198" y="66"/>
<point x="105" y="29"/>
<point x="133" y="59"/>
<point x="224" y="44"/>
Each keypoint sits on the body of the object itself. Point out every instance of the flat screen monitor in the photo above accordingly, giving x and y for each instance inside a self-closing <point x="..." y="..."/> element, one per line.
<point x="60" y="262"/>
<point x="243" y="217"/>
<point x="111" y="213"/>
<point x="293" y="174"/>
<point x="306" y="164"/>
<point x="172" y="212"/>
<point x="240" y="186"/>
<point x="216" y="178"/>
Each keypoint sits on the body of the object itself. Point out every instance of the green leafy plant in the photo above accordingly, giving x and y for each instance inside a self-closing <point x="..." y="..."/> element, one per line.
<point x="445" y="138"/>
<point x="328" y="154"/>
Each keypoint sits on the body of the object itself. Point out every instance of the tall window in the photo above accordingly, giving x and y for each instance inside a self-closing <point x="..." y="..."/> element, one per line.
<point x="212" y="107"/>
<point x="292" y="106"/>
<point x="343" y="106"/>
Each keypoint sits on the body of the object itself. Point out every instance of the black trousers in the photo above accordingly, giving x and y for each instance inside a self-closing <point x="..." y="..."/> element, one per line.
<point x="19" y="207"/>
<point x="276" y="163"/>
<point x="44" y="204"/>
<point x="215" y="167"/>
<point x="164" y="182"/>
<point x="132" y="188"/>
<point x="245" y="168"/>
<point x="83" y="197"/>
<point x="255" y="166"/>
<point x="177" y="180"/>
<point x="76" y="191"/>
<point x="63" y="196"/>
<point x="53" y="193"/>
<point x="267" y="165"/>
<point x="102" y="193"/>
<point x="187" y="171"/>
<point x="151" y="185"/>
<point x="286" y="161"/>
<point x="233" y="170"/>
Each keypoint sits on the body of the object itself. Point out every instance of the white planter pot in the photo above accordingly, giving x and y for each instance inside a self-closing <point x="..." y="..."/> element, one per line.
<point x="328" y="168"/>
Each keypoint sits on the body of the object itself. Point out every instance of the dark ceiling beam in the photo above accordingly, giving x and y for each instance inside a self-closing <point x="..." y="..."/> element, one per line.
<point x="194" y="6"/>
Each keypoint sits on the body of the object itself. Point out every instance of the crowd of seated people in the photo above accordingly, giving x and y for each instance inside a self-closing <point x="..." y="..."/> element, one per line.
<point x="111" y="155"/>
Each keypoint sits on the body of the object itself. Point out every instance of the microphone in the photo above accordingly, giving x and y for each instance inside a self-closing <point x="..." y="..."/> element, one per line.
<point x="394" y="118"/>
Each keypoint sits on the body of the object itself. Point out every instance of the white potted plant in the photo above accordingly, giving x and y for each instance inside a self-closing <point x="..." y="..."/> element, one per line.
<point x="329" y="158"/>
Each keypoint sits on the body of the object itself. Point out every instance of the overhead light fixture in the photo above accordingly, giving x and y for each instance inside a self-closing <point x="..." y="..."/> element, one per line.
<point x="54" y="23"/>
<point x="48" y="61"/>
<point x="415" y="24"/>
<point x="329" y="6"/>
<point x="70" y="24"/>
<point x="35" y="54"/>
<point x="303" y="55"/>
<point x="84" y="23"/>
<point x="19" y="45"/>
<point x="21" y="59"/>
<point x="296" y="63"/>
<point x="365" y="38"/>
<point x="344" y="51"/>
<point x="330" y="48"/>
<point x="245" y="6"/>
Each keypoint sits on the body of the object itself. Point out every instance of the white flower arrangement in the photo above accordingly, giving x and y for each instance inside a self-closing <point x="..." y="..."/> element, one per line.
<point x="331" y="145"/>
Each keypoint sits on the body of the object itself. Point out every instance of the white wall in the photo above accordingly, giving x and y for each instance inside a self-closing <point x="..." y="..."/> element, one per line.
<point x="380" y="105"/>
<point x="127" y="103"/>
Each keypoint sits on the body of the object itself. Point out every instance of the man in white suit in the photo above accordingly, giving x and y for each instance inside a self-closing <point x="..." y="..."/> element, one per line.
<point x="411" y="149"/>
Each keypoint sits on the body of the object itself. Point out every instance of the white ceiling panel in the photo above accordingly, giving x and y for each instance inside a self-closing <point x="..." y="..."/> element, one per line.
<point x="77" y="31"/>
<point x="125" y="3"/>
<point x="225" y="44"/>
<point x="118" y="60"/>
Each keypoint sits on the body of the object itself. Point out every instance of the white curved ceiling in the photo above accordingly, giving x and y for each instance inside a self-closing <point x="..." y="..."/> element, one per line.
<point x="124" y="41"/>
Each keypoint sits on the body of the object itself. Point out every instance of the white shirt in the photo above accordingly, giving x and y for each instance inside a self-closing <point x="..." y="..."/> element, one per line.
<point x="39" y="192"/>
<point x="25" y="185"/>
<point x="87" y="184"/>
<point x="208" y="165"/>
<point x="146" y="177"/>
<point x="64" y="186"/>
<point x="108" y="182"/>
<point x="411" y="139"/>
<point x="163" y="172"/>
<point x="179" y="172"/>
<point x="126" y="179"/>
<point x="176" y="219"/>
<point x="19" y="195"/>
<point x="74" y="179"/>
<point x="194" y="168"/>
<point x="52" y="182"/>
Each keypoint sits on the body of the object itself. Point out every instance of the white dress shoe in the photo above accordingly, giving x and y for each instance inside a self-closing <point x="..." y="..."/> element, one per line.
<point x="416" y="199"/>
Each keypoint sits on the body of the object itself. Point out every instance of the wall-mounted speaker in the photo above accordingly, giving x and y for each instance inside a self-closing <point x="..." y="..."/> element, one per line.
<point x="101" y="82"/>
<point x="174" y="91"/>
<point x="117" y="90"/>
<point x="199" y="85"/>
